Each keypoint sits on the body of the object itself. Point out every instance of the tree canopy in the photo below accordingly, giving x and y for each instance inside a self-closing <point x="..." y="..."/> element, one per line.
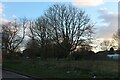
<point x="66" y="26"/>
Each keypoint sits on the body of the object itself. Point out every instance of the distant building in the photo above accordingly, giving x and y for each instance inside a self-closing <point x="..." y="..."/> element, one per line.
<point x="113" y="56"/>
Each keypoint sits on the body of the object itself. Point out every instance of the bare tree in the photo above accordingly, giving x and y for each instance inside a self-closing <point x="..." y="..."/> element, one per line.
<point x="116" y="37"/>
<point x="13" y="34"/>
<point x="40" y="34"/>
<point x="107" y="44"/>
<point x="68" y="26"/>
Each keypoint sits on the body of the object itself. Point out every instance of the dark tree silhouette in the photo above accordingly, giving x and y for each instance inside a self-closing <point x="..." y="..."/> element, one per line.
<point x="111" y="50"/>
<point x="67" y="26"/>
<point x="39" y="32"/>
<point x="13" y="34"/>
<point x="32" y="49"/>
<point x="64" y="26"/>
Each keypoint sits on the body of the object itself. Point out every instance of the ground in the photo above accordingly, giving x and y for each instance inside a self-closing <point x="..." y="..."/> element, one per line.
<point x="65" y="69"/>
<point x="9" y="74"/>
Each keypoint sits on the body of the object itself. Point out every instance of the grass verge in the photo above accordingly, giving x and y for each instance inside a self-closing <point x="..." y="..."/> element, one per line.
<point x="65" y="69"/>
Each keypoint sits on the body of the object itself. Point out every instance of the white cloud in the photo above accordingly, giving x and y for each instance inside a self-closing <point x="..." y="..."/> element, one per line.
<point x="110" y="19"/>
<point x="2" y="21"/>
<point x="14" y="16"/>
<point x="87" y="2"/>
<point x="103" y="10"/>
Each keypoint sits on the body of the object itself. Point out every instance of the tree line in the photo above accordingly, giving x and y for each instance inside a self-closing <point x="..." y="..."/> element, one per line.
<point x="61" y="31"/>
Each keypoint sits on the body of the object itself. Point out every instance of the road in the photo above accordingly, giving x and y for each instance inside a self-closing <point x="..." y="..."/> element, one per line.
<point x="12" y="75"/>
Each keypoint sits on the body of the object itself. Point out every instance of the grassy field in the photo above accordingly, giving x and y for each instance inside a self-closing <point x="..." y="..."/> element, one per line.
<point x="65" y="69"/>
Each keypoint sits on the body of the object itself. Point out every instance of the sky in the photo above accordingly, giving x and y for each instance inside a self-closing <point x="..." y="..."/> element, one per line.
<point x="102" y="12"/>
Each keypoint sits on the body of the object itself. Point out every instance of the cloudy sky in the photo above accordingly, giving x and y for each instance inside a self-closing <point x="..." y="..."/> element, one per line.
<point x="103" y="13"/>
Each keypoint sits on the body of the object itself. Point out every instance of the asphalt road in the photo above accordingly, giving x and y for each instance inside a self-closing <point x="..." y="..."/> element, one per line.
<point x="11" y="75"/>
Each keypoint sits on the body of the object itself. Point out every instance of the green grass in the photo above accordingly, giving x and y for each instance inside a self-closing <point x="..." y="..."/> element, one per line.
<point x="65" y="69"/>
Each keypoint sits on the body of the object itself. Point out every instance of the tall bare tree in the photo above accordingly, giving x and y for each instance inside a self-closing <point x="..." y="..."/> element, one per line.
<point x="13" y="34"/>
<point x="68" y="26"/>
<point x="40" y="34"/>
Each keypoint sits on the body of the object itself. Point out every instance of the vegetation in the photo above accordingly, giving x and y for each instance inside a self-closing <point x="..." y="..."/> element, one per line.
<point x="11" y="38"/>
<point x="63" y="27"/>
<point x="107" y="44"/>
<point x="65" y="69"/>
<point x="59" y="46"/>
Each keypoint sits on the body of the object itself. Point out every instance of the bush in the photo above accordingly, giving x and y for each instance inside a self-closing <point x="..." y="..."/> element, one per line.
<point x="111" y="51"/>
<point x="32" y="53"/>
<point x="83" y="55"/>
